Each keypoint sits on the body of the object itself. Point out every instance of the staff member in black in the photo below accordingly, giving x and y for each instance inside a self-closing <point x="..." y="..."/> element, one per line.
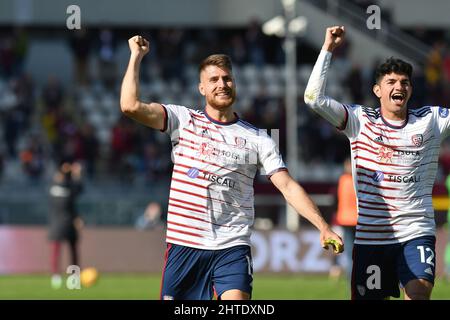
<point x="64" y="221"/>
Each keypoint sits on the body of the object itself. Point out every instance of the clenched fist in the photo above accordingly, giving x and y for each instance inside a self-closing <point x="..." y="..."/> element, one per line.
<point x="138" y="46"/>
<point x="334" y="36"/>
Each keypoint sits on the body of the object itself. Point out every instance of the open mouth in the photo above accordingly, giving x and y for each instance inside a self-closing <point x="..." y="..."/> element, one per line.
<point x="223" y="94"/>
<point x="398" y="97"/>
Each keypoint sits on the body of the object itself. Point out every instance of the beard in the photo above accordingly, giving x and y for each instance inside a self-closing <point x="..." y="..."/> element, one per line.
<point x="221" y="103"/>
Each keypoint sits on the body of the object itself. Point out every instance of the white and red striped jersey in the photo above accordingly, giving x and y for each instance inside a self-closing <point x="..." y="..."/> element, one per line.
<point x="394" y="163"/>
<point x="394" y="168"/>
<point x="211" y="201"/>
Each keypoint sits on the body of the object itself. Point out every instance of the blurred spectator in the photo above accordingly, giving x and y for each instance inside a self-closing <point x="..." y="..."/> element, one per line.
<point x="52" y="94"/>
<point x="64" y="220"/>
<point x="124" y="142"/>
<point x="20" y="49"/>
<point x="12" y="120"/>
<point x="32" y="158"/>
<point x="23" y="87"/>
<point x="237" y="50"/>
<point x="6" y="56"/>
<point x="155" y="165"/>
<point x="107" y="58"/>
<point x="151" y="217"/>
<point x="353" y="82"/>
<point x="255" y="43"/>
<point x="434" y="72"/>
<point x="89" y="148"/>
<point x="170" y="53"/>
<point x="80" y="44"/>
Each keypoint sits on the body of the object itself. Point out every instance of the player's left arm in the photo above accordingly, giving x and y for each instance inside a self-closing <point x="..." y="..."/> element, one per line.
<point x="297" y="197"/>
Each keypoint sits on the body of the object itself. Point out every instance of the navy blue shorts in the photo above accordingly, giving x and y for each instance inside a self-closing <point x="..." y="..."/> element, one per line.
<point x="195" y="274"/>
<point x="378" y="270"/>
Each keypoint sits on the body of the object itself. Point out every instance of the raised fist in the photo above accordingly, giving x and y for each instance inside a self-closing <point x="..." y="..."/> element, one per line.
<point x="139" y="46"/>
<point x="334" y="36"/>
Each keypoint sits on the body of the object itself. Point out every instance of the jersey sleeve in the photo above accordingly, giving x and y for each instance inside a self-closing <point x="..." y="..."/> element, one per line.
<point x="442" y="116"/>
<point x="328" y="108"/>
<point x="269" y="157"/>
<point x="176" y="117"/>
<point x="351" y="124"/>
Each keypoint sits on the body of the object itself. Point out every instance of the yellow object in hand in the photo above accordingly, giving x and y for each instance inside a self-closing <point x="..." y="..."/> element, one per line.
<point x="337" y="247"/>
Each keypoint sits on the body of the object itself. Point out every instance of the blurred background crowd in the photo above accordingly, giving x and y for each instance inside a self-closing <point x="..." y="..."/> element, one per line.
<point x="48" y="117"/>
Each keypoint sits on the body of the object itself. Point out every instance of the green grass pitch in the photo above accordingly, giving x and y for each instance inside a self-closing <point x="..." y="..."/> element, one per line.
<point x="146" y="287"/>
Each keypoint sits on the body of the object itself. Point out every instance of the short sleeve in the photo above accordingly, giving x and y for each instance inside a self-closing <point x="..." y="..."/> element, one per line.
<point x="176" y="117"/>
<point x="269" y="157"/>
<point x="351" y="124"/>
<point x="441" y="114"/>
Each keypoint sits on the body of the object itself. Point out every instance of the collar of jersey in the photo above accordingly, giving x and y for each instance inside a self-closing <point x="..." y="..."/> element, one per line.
<point x="227" y="123"/>
<point x="393" y="126"/>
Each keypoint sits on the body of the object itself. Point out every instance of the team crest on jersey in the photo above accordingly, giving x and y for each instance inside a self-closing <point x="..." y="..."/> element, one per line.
<point x="417" y="140"/>
<point x="385" y="154"/>
<point x="443" y="112"/>
<point x="240" y="142"/>
<point x="206" y="150"/>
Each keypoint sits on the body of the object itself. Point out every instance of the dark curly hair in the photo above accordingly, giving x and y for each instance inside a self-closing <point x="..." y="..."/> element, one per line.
<point x="393" y="65"/>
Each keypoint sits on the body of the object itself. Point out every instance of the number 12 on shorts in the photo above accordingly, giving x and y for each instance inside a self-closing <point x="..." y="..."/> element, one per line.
<point x="430" y="258"/>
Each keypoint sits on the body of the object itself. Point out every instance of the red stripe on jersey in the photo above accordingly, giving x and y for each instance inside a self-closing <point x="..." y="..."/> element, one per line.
<point x="374" y="231"/>
<point x="186" y="208"/>
<point x="198" y="135"/>
<point x="190" y="183"/>
<point x="379" y="143"/>
<point x="384" y="197"/>
<point x="189" y="193"/>
<point x="203" y="127"/>
<point x="183" y="241"/>
<point x="361" y="148"/>
<point x="384" y="164"/>
<point x="187" y="140"/>
<point x="210" y="138"/>
<point x="189" y="167"/>
<point x="189" y="147"/>
<point x="197" y="117"/>
<point x="373" y="216"/>
<point x="377" y="239"/>
<point x="376" y="209"/>
<point x="377" y="203"/>
<point x="187" y="202"/>
<point x="189" y="217"/>
<point x="184" y="173"/>
<point x="185" y="225"/>
<point x="211" y="163"/>
<point x="204" y="172"/>
<point x="365" y="175"/>
<point x="358" y="166"/>
<point x="380" y="134"/>
<point x="365" y="144"/>
<point x="376" y="186"/>
<point x="185" y="232"/>
<point x="210" y="198"/>
<point x="378" y="125"/>
<point x="198" y="219"/>
<point x="375" y="225"/>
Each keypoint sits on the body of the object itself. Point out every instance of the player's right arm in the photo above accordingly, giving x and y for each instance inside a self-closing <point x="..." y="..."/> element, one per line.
<point x="314" y="96"/>
<point x="150" y="114"/>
